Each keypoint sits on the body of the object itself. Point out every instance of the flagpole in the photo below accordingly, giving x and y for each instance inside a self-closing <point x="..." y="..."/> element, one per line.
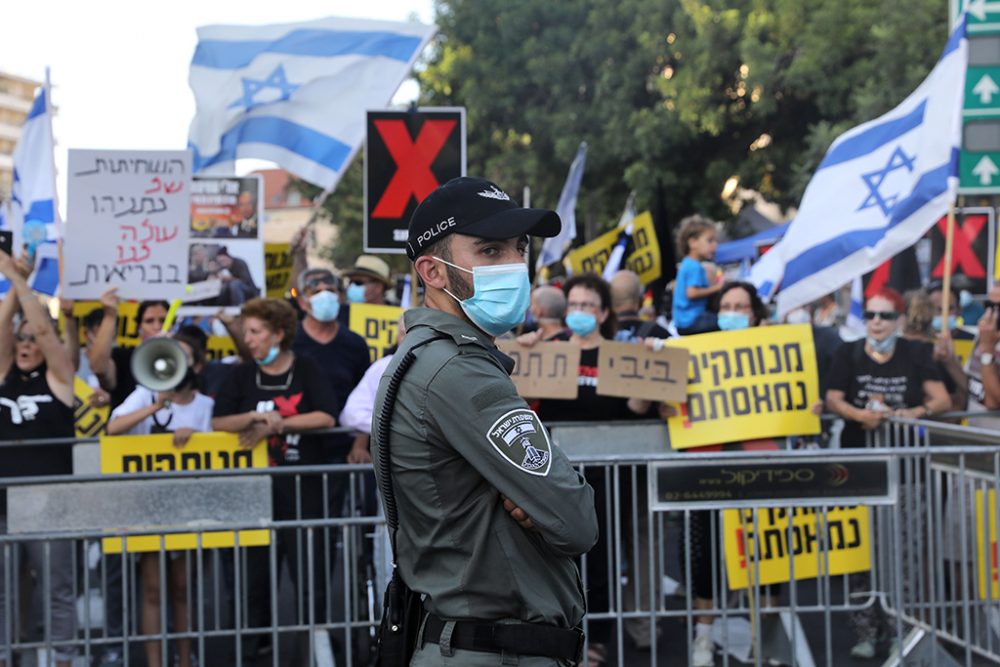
<point x="949" y="241"/>
<point x="56" y="218"/>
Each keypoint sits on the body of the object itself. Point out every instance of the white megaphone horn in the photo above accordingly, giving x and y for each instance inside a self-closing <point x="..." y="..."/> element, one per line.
<point x="159" y="364"/>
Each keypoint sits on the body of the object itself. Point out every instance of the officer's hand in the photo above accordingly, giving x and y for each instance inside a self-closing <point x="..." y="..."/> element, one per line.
<point x="517" y="513"/>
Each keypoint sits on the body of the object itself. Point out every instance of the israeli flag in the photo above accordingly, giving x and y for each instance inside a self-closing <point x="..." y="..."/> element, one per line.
<point x="879" y="188"/>
<point x="296" y="93"/>
<point x="555" y="247"/>
<point x="33" y="195"/>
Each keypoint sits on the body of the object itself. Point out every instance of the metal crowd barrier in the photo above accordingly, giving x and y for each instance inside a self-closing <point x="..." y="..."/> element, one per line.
<point x="926" y="529"/>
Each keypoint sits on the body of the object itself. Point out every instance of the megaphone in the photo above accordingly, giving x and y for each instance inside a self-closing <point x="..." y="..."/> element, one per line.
<point x="159" y="364"/>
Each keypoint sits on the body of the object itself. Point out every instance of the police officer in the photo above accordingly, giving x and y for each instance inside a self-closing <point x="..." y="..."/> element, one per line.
<point x="491" y="515"/>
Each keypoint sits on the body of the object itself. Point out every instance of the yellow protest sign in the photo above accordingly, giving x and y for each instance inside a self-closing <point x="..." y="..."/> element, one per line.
<point x="220" y="347"/>
<point x="745" y="385"/>
<point x="377" y="325"/>
<point x="156" y="453"/>
<point x="277" y="268"/>
<point x="128" y="321"/>
<point x="987" y="554"/>
<point x="89" y="420"/>
<point x="963" y="349"/>
<point x="592" y="257"/>
<point x="845" y="530"/>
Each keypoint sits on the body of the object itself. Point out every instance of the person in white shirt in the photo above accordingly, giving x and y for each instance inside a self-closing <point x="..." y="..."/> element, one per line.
<point x="183" y="412"/>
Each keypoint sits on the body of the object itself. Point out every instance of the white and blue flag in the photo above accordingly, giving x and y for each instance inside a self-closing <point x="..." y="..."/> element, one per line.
<point x="879" y="188"/>
<point x="33" y="195"/>
<point x="296" y="93"/>
<point x="555" y="247"/>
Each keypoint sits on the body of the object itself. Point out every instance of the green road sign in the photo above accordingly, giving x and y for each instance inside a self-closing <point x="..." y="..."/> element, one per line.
<point x="982" y="91"/>
<point x="979" y="172"/>
<point x="984" y="15"/>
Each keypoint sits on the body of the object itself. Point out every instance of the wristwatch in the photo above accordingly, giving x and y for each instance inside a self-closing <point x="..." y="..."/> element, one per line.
<point x="986" y="358"/>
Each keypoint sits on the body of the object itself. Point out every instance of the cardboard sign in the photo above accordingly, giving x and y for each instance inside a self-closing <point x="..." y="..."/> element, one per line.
<point x="630" y="370"/>
<point x="378" y="325"/>
<point x="745" y="385"/>
<point x="278" y="269"/>
<point x="407" y="155"/>
<point x="204" y="451"/>
<point x="127" y="223"/>
<point x="88" y="420"/>
<point x="847" y="542"/>
<point x="544" y="370"/>
<point x="645" y="260"/>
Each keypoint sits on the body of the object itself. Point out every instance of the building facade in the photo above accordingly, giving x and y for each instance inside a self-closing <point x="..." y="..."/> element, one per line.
<point x="16" y="96"/>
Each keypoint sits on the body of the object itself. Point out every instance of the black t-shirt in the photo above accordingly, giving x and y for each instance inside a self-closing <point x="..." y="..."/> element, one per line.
<point x="898" y="383"/>
<point x="632" y="328"/>
<point x="250" y="389"/>
<point x="124" y="382"/>
<point x="30" y="411"/>
<point x="588" y="405"/>
<point x="343" y="362"/>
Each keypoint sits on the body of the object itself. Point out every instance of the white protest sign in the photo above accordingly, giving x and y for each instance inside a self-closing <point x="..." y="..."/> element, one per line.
<point x="128" y="214"/>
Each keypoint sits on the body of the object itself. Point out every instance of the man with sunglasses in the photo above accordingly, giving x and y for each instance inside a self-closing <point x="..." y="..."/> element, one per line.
<point x="982" y="367"/>
<point x="341" y="354"/>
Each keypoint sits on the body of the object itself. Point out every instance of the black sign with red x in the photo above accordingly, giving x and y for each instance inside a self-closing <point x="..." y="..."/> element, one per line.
<point x="407" y="155"/>
<point x="970" y="249"/>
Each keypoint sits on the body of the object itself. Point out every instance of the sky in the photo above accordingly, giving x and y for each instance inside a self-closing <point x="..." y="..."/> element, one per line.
<point x="119" y="68"/>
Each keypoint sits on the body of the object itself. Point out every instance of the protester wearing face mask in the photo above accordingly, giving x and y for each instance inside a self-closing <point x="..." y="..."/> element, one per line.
<point x="275" y="398"/>
<point x="491" y="516"/>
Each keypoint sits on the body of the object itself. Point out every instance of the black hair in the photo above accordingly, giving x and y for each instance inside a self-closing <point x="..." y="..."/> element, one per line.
<point x="595" y="283"/>
<point x="146" y="305"/>
<point x="757" y="306"/>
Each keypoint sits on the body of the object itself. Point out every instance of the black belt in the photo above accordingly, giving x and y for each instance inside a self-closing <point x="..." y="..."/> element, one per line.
<point x="546" y="641"/>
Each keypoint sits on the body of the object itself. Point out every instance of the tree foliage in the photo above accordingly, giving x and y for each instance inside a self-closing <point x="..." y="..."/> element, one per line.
<point x="674" y="97"/>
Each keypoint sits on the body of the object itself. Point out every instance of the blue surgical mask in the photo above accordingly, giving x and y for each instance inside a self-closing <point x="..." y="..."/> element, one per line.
<point x="964" y="299"/>
<point x="356" y="293"/>
<point x="272" y="354"/>
<point x="731" y="321"/>
<point x="952" y="323"/>
<point x="325" y="306"/>
<point x="884" y="346"/>
<point x="500" y="297"/>
<point x="581" y="323"/>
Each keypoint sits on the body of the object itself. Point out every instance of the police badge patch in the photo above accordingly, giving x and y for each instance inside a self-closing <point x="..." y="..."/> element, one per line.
<point x="522" y="441"/>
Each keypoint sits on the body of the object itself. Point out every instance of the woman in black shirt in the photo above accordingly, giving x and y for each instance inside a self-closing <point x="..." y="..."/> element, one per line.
<point x="36" y="401"/>
<point x="275" y="398"/>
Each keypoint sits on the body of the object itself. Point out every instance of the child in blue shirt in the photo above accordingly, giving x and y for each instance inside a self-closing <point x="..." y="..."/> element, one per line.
<point x="697" y="241"/>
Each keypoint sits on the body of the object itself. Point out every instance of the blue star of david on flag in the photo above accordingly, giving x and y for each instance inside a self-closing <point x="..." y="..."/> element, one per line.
<point x="874" y="179"/>
<point x="276" y="80"/>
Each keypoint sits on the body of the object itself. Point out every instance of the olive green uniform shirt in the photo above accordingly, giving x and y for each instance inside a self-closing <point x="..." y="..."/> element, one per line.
<point x="460" y="436"/>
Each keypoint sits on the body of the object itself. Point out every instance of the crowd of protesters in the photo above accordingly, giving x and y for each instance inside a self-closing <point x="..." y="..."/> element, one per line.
<point x="300" y="370"/>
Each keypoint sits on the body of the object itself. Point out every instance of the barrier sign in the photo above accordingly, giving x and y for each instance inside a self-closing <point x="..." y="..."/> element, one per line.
<point x="544" y="370"/>
<point x="378" y="325"/>
<point x="629" y="370"/>
<point x="156" y="453"/>
<point x="644" y="260"/>
<point x="987" y="554"/>
<point x="745" y="385"/>
<point x="843" y="533"/>
<point x="89" y="421"/>
<point x="277" y="269"/>
<point x="758" y="482"/>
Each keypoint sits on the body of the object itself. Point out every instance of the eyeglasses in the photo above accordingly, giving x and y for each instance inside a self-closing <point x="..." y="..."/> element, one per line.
<point x="325" y="282"/>
<point x="736" y="308"/>
<point x="25" y="338"/>
<point x="360" y="281"/>
<point x="885" y="316"/>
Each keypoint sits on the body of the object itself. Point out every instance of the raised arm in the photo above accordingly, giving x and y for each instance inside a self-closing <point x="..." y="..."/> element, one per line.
<point x="99" y="350"/>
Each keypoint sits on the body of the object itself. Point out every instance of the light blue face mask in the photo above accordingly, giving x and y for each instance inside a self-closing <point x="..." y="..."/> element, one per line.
<point x="272" y="354"/>
<point x="325" y="306"/>
<point x="952" y="323"/>
<point x="500" y="297"/>
<point x="581" y="323"/>
<point x="731" y="321"/>
<point x="884" y="346"/>
<point x="356" y="293"/>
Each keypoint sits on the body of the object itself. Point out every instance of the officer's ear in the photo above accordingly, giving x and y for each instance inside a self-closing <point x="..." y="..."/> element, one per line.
<point x="431" y="272"/>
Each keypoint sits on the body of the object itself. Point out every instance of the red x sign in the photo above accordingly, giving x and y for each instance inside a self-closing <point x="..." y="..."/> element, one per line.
<point x="407" y="155"/>
<point x="413" y="161"/>
<point x="963" y="255"/>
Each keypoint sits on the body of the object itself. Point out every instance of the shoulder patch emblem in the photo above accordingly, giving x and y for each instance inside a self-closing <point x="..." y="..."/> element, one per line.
<point x="522" y="441"/>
